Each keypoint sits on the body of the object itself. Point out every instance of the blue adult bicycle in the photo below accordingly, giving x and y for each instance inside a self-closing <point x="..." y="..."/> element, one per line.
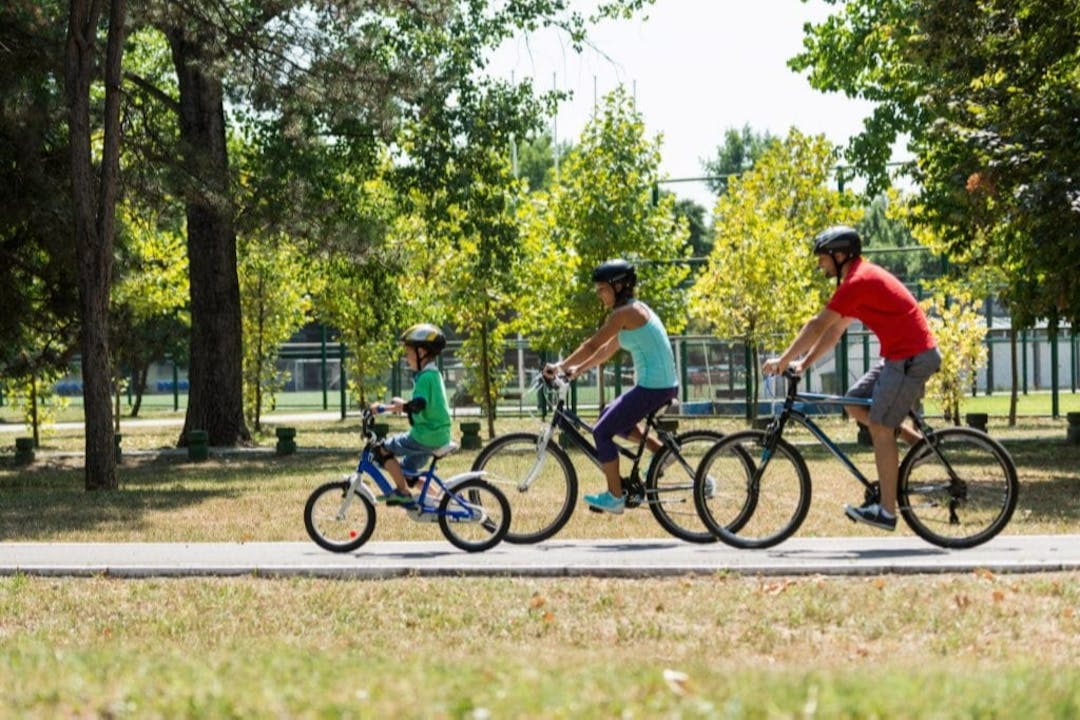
<point x="473" y="514"/>
<point x="957" y="486"/>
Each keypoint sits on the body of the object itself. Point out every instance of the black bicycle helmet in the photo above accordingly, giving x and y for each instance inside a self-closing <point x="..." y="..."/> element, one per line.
<point x="425" y="336"/>
<point x="617" y="272"/>
<point x="838" y="239"/>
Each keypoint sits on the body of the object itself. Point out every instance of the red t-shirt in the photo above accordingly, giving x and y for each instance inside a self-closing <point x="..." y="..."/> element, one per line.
<point x="876" y="298"/>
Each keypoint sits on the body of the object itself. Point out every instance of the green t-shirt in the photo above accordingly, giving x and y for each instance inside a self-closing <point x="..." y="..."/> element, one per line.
<point x="431" y="426"/>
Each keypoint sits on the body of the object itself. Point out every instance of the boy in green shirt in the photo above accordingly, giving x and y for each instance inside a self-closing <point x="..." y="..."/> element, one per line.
<point x="428" y="411"/>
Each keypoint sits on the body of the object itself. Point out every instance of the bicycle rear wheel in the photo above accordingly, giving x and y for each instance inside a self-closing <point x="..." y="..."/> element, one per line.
<point x="332" y="528"/>
<point x="755" y="499"/>
<point x="669" y="486"/>
<point x="544" y="507"/>
<point x="964" y="508"/>
<point x="474" y="516"/>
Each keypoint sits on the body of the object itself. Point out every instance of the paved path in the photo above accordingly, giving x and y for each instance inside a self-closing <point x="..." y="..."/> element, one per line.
<point x="606" y="558"/>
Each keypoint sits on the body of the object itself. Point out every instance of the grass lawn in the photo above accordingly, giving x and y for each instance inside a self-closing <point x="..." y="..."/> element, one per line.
<point x="976" y="645"/>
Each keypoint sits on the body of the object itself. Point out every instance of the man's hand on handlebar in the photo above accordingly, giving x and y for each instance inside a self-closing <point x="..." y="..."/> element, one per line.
<point x="777" y="366"/>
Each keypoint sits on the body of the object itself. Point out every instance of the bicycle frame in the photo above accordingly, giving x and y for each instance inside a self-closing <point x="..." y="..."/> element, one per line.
<point x="790" y="412"/>
<point x="367" y="466"/>
<point x="573" y="426"/>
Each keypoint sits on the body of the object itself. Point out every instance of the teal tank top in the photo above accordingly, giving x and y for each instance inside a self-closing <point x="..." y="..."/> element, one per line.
<point x="650" y="348"/>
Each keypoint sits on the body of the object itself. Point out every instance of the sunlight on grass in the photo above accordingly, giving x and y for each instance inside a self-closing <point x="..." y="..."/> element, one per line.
<point x="969" y="645"/>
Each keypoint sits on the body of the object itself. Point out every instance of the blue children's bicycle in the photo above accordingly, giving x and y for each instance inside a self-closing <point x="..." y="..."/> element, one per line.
<point x="472" y="513"/>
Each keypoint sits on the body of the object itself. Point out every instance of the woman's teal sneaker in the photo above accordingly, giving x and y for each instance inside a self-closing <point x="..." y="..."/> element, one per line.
<point x="606" y="502"/>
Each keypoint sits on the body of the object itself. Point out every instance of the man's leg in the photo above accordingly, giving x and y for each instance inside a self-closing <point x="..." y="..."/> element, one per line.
<point x="887" y="459"/>
<point x="861" y="413"/>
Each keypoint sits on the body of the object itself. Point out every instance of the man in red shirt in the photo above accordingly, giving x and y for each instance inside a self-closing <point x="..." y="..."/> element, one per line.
<point x="909" y="355"/>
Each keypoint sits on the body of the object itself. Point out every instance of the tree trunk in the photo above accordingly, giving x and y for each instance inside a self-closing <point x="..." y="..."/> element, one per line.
<point x="94" y="201"/>
<point x="215" y="400"/>
<point x="139" y="375"/>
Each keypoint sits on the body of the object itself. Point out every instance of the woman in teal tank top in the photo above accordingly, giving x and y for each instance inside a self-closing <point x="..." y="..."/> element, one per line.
<point x="633" y="326"/>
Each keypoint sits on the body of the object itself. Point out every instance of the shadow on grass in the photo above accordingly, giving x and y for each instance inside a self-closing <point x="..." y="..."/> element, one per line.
<point x="50" y="499"/>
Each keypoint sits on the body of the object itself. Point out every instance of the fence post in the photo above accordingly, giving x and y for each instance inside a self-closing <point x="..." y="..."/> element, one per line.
<point x="343" y="381"/>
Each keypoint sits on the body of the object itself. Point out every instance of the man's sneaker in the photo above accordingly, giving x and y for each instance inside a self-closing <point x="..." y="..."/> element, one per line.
<point x="871" y="514"/>
<point x="606" y="502"/>
<point x="397" y="498"/>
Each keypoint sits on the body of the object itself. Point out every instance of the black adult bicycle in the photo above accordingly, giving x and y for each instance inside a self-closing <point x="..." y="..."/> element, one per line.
<point x="957" y="486"/>
<point x="539" y="479"/>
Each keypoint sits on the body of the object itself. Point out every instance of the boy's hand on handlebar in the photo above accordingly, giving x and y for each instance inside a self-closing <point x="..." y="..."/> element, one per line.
<point x="394" y="406"/>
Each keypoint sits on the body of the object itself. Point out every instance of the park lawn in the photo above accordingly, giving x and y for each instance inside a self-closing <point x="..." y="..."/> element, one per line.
<point x="709" y="646"/>
<point x="976" y="645"/>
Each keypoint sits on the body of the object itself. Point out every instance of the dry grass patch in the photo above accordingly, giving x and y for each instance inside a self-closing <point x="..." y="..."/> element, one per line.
<point x="474" y="647"/>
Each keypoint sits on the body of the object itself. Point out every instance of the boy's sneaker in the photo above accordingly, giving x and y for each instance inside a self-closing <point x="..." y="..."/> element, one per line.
<point x="871" y="514"/>
<point x="397" y="498"/>
<point x="606" y="502"/>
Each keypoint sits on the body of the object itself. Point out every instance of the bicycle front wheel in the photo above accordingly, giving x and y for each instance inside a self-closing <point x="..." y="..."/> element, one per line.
<point x="750" y="497"/>
<point x="474" y="516"/>
<point x="333" y="525"/>
<point x="540" y="486"/>
<point x="669" y="486"/>
<point x="965" y="507"/>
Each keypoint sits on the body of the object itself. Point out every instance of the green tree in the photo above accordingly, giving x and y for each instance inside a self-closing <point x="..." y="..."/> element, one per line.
<point x="600" y="209"/>
<point x="882" y="229"/>
<point x="149" y="319"/>
<point x="276" y="287"/>
<point x="761" y="282"/>
<point x="738" y="153"/>
<point x="960" y="330"/>
<point x="39" y="291"/>
<point x="536" y="160"/>
<point x="984" y="92"/>
<point x="315" y="81"/>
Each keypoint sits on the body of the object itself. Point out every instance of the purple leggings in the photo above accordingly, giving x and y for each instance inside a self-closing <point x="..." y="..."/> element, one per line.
<point x="620" y="417"/>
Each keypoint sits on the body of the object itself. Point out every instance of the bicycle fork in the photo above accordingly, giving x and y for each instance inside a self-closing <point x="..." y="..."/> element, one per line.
<point x="541" y="457"/>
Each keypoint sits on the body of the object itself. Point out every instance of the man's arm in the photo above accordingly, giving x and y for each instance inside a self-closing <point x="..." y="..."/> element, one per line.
<point x="820" y="326"/>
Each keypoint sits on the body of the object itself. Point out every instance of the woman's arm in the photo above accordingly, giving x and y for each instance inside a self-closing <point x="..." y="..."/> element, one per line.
<point x="603" y="344"/>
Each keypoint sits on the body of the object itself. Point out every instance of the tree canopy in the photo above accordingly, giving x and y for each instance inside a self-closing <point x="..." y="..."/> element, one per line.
<point x="987" y="96"/>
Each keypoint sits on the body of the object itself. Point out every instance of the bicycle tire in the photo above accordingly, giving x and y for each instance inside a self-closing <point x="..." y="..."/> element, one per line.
<point x="546" y="506"/>
<point x="748" y="513"/>
<point x="471" y="535"/>
<point x="669" y="486"/>
<point x="323" y="525"/>
<point x="952" y="515"/>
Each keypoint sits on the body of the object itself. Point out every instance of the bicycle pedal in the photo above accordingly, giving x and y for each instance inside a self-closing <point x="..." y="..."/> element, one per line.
<point x="596" y="510"/>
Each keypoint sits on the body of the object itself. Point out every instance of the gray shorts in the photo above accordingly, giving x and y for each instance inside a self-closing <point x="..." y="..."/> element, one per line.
<point x="411" y="454"/>
<point x="896" y="386"/>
